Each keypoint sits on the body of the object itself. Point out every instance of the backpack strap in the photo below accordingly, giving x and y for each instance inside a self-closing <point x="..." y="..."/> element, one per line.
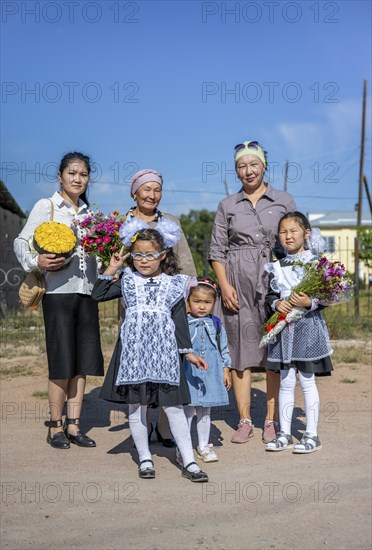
<point x="217" y="325"/>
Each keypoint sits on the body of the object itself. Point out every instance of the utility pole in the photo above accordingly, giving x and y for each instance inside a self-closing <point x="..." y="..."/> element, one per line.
<point x="360" y="201"/>
<point x="286" y="175"/>
<point x="367" y="193"/>
<point x="226" y="188"/>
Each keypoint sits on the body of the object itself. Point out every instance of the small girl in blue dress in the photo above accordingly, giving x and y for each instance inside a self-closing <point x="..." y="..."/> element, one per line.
<point x="207" y="387"/>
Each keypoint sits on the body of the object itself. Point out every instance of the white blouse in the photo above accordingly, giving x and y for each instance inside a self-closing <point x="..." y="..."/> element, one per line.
<point x="79" y="273"/>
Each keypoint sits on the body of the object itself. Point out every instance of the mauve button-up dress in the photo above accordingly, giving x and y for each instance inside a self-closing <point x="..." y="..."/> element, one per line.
<point x="241" y="246"/>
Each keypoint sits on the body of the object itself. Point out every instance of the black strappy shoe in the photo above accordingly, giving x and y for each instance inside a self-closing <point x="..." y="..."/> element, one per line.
<point x="195" y="477"/>
<point x="59" y="439"/>
<point x="146" y="473"/>
<point x="80" y="439"/>
<point x="165" y="442"/>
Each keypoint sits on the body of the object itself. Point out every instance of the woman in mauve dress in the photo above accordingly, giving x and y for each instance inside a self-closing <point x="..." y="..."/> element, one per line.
<point x="243" y="239"/>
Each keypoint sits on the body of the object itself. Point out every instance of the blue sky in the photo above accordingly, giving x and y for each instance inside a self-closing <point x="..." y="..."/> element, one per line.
<point x="175" y="85"/>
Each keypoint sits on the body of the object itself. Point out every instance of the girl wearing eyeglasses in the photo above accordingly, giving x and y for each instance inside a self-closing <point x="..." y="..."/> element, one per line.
<point x="243" y="239"/>
<point x="153" y="335"/>
<point x="146" y="190"/>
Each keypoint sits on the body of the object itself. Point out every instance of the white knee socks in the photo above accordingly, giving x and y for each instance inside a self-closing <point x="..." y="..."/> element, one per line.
<point x="203" y="425"/>
<point x="180" y="430"/>
<point x="203" y="422"/>
<point x="311" y="397"/>
<point x="286" y="400"/>
<point x="138" y="428"/>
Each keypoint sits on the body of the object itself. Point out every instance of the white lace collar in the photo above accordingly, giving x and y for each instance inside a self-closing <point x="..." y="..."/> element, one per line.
<point x="304" y="256"/>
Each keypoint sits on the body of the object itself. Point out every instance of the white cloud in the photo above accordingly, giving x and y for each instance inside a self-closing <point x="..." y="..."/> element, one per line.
<point x="302" y="137"/>
<point x="338" y="128"/>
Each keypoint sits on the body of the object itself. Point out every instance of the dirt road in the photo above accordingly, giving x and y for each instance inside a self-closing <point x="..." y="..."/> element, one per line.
<point x="93" y="498"/>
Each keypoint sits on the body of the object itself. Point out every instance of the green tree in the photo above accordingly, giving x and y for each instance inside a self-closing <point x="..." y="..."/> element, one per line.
<point x="365" y="252"/>
<point x="197" y="226"/>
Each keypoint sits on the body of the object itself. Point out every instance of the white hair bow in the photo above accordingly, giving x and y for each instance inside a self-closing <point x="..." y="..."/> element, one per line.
<point x="168" y="229"/>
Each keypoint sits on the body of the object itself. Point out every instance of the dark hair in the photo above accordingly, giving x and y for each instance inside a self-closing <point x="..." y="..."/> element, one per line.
<point x="205" y="284"/>
<point x="70" y="157"/>
<point x="170" y="263"/>
<point x="299" y="217"/>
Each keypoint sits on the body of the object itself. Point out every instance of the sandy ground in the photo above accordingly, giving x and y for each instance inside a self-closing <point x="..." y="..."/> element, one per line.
<point x="93" y="498"/>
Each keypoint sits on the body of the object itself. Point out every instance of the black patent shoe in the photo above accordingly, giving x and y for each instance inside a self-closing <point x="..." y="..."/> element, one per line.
<point x="195" y="477"/>
<point x="146" y="473"/>
<point x="59" y="439"/>
<point x="80" y="439"/>
<point x="165" y="442"/>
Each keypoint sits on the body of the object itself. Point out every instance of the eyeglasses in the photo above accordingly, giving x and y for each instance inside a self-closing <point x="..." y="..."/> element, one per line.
<point x="251" y="145"/>
<point x="150" y="256"/>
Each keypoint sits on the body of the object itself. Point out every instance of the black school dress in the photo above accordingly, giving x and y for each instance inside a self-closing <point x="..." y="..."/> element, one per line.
<point x="149" y="392"/>
<point x="303" y="344"/>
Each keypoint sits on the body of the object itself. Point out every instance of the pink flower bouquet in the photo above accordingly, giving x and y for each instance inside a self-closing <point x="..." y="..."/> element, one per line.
<point x="326" y="281"/>
<point x="102" y="235"/>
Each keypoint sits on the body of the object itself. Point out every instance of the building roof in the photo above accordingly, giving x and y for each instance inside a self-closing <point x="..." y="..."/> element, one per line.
<point x="338" y="218"/>
<point x="8" y="202"/>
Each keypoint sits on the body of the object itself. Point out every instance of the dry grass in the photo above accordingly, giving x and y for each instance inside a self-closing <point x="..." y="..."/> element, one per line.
<point x="348" y="380"/>
<point x="352" y="355"/>
<point x="40" y="394"/>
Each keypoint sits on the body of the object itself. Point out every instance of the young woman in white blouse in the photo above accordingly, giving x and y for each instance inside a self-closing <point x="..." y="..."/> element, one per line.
<point x="70" y="314"/>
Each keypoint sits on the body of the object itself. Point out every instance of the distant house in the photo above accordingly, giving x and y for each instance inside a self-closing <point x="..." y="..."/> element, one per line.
<point x="339" y="231"/>
<point x="11" y="273"/>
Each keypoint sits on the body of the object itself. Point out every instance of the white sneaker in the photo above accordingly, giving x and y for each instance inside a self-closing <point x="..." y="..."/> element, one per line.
<point x="179" y="460"/>
<point x="207" y="454"/>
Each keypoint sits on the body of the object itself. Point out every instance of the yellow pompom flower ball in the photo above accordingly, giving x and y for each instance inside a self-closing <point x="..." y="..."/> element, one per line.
<point x="54" y="238"/>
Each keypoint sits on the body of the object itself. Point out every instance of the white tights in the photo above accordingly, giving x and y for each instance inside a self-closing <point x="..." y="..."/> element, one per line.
<point x="286" y="400"/>
<point x="178" y="426"/>
<point x="203" y="422"/>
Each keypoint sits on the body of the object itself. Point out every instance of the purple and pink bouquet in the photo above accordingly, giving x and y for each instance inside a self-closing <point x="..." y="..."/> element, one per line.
<point x="102" y="237"/>
<point x="328" y="282"/>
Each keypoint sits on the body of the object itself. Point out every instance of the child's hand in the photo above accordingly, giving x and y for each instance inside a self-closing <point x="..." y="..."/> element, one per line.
<point x="227" y="378"/>
<point x="197" y="361"/>
<point x="116" y="262"/>
<point x="283" y="306"/>
<point x="300" y="300"/>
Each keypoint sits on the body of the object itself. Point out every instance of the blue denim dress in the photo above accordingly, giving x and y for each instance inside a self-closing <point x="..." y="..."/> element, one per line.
<point x="206" y="387"/>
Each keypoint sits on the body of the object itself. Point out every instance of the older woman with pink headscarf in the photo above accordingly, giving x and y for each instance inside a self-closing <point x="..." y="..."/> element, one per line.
<point x="146" y="190"/>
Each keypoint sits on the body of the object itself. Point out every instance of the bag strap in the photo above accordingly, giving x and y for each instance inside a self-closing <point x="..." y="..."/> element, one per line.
<point x="217" y="325"/>
<point x="51" y="210"/>
<point x="260" y="224"/>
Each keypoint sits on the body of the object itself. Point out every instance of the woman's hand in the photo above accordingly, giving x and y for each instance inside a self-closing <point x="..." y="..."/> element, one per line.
<point x="227" y="378"/>
<point x="197" y="361"/>
<point x="50" y="262"/>
<point x="300" y="300"/>
<point x="230" y="298"/>
<point x="283" y="306"/>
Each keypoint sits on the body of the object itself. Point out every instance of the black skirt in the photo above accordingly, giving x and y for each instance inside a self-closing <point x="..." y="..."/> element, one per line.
<point x="72" y="336"/>
<point x="320" y="367"/>
<point x="148" y="393"/>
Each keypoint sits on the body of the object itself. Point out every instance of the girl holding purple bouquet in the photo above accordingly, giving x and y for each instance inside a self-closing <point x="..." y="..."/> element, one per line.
<point x="303" y="345"/>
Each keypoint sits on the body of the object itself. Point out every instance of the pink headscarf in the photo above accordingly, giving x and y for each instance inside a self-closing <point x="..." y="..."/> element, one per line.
<point x="144" y="176"/>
